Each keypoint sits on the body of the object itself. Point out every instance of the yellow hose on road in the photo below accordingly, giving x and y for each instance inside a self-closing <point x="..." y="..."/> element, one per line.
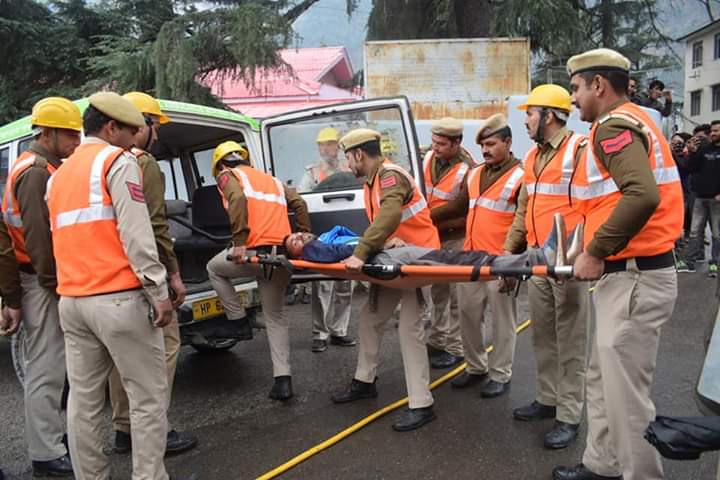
<point x="369" y="419"/>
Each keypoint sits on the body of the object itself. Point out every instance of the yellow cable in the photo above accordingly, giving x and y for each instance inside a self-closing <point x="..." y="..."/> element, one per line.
<point x="369" y="419"/>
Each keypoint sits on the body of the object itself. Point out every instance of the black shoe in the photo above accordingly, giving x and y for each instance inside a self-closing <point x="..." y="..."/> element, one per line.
<point x="244" y="329"/>
<point x="319" y="345"/>
<point x="445" y="360"/>
<point x="344" y="341"/>
<point x="432" y="351"/>
<point x="561" y="435"/>
<point x="178" y="442"/>
<point x="466" y="379"/>
<point x="60" y="467"/>
<point x="358" y="390"/>
<point x="123" y="442"/>
<point x="494" y="389"/>
<point x="282" y="388"/>
<point x="534" y="411"/>
<point x="413" y="418"/>
<point x="579" y="472"/>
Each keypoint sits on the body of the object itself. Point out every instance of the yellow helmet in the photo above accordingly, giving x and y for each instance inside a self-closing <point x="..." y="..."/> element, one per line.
<point x="147" y="105"/>
<point x="223" y="149"/>
<point x="56" y="112"/>
<point x="328" y="134"/>
<point x="548" y="95"/>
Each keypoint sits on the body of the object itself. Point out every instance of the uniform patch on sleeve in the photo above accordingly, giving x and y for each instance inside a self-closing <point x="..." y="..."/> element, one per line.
<point x="136" y="191"/>
<point x="617" y="143"/>
<point x="388" y="182"/>
<point x="222" y="181"/>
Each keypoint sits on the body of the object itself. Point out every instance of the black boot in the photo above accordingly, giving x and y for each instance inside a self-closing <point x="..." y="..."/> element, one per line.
<point x="244" y="329"/>
<point x="282" y="388"/>
<point x="414" y="418"/>
<point x="60" y="467"/>
<point x="123" y="442"/>
<point x="358" y="390"/>
<point x="445" y="360"/>
<point x="534" y="411"/>
<point x="344" y="341"/>
<point x="494" y="389"/>
<point x="579" y="472"/>
<point x="466" y="379"/>
<point x="561" y="435"/>
<point x="178" y="442"/>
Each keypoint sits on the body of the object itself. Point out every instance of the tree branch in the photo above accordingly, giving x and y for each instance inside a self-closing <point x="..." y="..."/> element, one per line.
<point x="299" y="9"/>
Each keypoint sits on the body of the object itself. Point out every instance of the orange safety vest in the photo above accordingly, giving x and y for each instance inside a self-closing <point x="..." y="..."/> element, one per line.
<point x="89" y="253"/>
<point x="416" y="227"/>
<point x="266" y="206"/>
<point x="491" y="213"/>
<point x="549" y="192"/>
<point x="448" y="187"/>
<point x="596" y="195"/>
<point x="11" y="207"/>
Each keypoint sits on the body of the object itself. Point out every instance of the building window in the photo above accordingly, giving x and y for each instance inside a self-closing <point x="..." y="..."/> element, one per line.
<point x="717" y="46"/>
<point x="695" y="98"/>
<point x="715" y="97"/>
<point x="697" y="54"/>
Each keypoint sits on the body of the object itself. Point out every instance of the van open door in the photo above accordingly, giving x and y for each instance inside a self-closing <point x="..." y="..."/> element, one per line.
<point x="296" y="153"/>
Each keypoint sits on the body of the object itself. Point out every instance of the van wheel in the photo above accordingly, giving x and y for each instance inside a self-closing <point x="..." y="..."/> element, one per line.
<point x="215" y="345"/>
<point x="18" y="354"/>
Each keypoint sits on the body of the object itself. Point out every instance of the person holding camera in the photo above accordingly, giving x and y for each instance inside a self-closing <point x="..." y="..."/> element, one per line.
<point x="704" y="165"/>
<point x="680" y="155"/>
<point x="651" y="98"/>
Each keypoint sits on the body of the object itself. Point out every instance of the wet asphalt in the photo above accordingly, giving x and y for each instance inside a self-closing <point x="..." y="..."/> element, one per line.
<point x="222" y="397"/>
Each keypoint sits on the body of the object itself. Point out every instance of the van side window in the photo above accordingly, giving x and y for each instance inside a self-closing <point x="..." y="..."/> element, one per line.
<point x="202" y="160"/>
<point x="305" y="154"/>
<point x="24" y="145"/>
<point x="175" y="187"/>
<point x="4" y="165"/>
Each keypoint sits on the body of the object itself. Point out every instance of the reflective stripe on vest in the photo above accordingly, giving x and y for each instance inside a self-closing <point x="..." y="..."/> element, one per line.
<point x="95" y="209"/>
<point x="502" y="204"/>
<point x="567" y="169"/>
<point x="457" y="173"/>
<point x="11" y="214"/>
<point x="412" y="209"/>
<point x="265" y="197"/>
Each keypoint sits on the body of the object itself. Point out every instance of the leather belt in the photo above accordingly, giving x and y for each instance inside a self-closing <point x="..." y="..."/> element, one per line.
<point x="26" y="268"/>
<point x="267" y="249"/>
<point x="655" y="262"/>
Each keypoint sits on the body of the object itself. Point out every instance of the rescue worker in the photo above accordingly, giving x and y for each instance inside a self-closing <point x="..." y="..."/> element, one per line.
<point x="445" y="167"/>
<point x="154" y="191"/>
<point x="487" y="203"/>
<point x="330" y="300"/>
<point x="559" y="310"/>
<point x="398" y="212"/>
<point x="257" y="205"/>
<point x="628" y="188"/>
<point x="114" y="295"/>
<point x="56" y="125"/>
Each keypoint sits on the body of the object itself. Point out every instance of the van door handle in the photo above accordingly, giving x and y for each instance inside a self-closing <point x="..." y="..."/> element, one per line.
<point x="337" y="196"/>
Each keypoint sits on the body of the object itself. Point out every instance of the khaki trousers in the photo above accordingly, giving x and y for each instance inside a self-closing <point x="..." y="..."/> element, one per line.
<point x="44" y="352"/>
<point x="331" y="302"/>
<point x="473" y="299"/>
<point x="631" y="308"/>
<point x="272" y="297"/>
<point x="100" y="331"/>
<point x="118" y="397"/>
<point x="444" y="331"/>
<point x="412" y="344"/>
<point x="560" y="314"/>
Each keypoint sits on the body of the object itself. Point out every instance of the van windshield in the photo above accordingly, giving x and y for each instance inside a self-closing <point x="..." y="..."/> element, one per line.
<point x="305" y="154"/>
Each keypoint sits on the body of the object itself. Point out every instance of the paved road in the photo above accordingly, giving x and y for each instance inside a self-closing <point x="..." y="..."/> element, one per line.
<point x="223" y="397"/>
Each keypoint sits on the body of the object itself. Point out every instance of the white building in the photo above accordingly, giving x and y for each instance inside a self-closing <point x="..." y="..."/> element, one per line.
<point x="702" y="75"/>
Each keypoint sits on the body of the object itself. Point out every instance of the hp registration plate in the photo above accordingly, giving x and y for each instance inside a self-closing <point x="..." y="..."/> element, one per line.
<point x="212" y="307"/>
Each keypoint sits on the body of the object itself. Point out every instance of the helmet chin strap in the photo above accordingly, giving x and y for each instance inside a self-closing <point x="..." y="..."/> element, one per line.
<point x="147" y="140"/>
<point x="540" y="135"/>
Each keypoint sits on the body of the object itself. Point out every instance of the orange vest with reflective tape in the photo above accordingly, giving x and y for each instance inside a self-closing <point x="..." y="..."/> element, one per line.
<point x="491" y="213"/>
<point x="596" y="195"/>
<point x="89" y="253"/>
<point x="549" y="192"/>
<point x="416" y="227"/>
<point x="448" y="187"/>
<point x="266" y="206"/>
<point x="11" y="207"/>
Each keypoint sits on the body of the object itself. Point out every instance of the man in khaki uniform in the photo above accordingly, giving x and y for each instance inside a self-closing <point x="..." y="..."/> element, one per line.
<point x="10" y="290"/>
<point x="154" y="191"/>
<point x="446" y="166"/>
<point x="559" y="310"/>
<point x="231" y="263"/>
<point x="628" y="188"/>
<point x="114" y="297"/>
<point x="391" y="192"/>
<point x="495" y="137"/>
<point x="57" y="125"/>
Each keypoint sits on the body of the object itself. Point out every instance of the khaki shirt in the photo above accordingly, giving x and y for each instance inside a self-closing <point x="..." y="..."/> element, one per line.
<point x="154" y="190"/>
<point x="440" y="166"/>
<point x="134" y="227"/>
<point x="516" y="240"/>
<point x="10" y="290"/>
<point x="30" y="189"/>
<point x="389" y="215"/>
<point x="450" y="228"/>
<point x="237" y="208"/>
<point x="631" y="171"/>
<point x="311" y="177"/>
